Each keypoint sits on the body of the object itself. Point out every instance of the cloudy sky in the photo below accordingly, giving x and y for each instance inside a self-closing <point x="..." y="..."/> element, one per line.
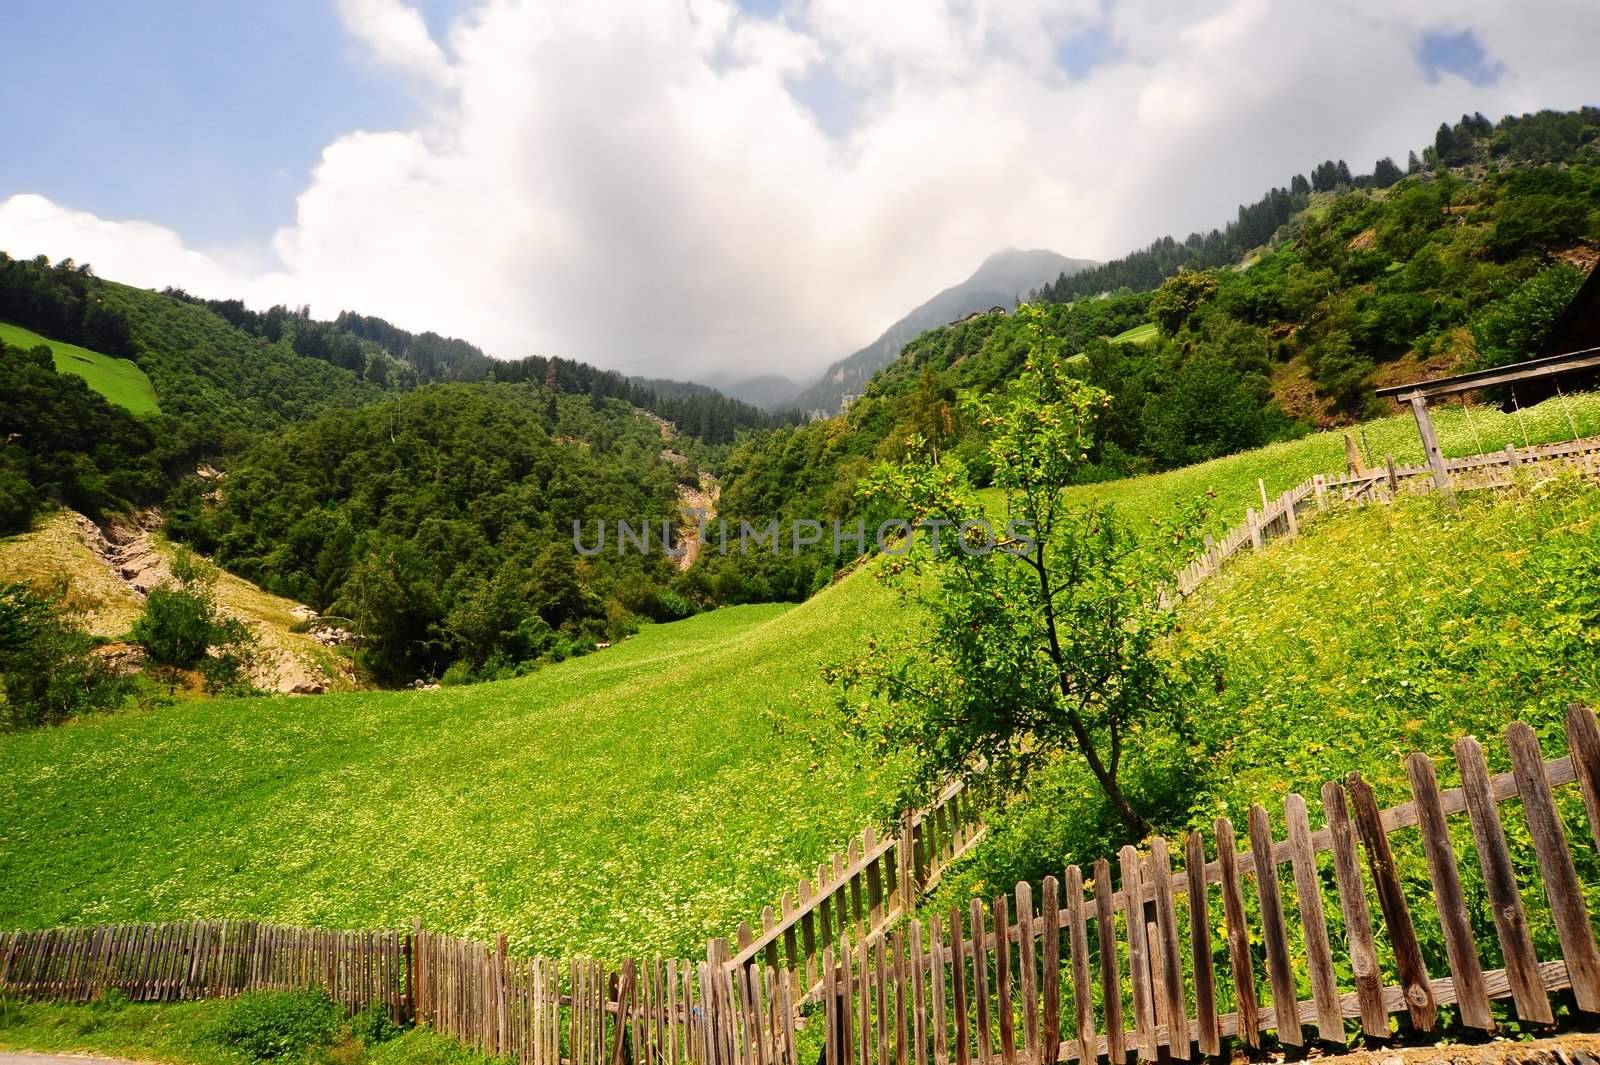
<point x="682" y="187"/>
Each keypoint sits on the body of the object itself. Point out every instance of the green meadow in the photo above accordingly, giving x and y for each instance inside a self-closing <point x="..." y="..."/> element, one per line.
<point x="1139" y="334"/>
<point x="658" y="792"/>
<point x="119" y="380"/>
<point x="641" y="799"/>
<point x="1232" y="479"/>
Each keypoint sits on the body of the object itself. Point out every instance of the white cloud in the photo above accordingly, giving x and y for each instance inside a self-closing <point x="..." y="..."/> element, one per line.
<point x="397" y="36"/>
<point x="640" y="184"/>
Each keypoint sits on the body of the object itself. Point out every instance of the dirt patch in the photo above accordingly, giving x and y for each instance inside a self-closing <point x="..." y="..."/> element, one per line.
<point x="109" y="570"/>
<point x="1411" y="366"/>
<point x="697" y="509"/>
<point x="1365" y="240"/>
<point x="1295" y="393"/>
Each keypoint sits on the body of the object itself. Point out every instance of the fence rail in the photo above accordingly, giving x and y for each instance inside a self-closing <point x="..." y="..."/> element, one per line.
<point x="1282" y="516"/>
<point x="186" y="960"/>
<point x="1080" y="968"/>
<point x="1047" y="981"/>
<point x="865" y="889"/>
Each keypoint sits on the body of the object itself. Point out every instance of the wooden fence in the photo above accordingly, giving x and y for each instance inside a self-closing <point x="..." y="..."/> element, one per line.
<point x="724" y="1008"/>
<point x="865" y="889"/>
<point x="1282" y="516"/>
<point x="1097" y="969"/>
<point x="1078" y="969"/>
<point x="185" y="960"/>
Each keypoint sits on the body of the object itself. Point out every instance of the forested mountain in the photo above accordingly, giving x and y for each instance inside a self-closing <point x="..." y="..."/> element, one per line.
<point x="61" y="302"/>
<point x="1351" y="281"/>
<point x="696" y="410"/>
<point x="440" y="521"/>
<point x="437" y="517"/>
<point x="1546" y="137"/>
<point x="1000" y="281"/>
<point x="45" y="420"/>
<point x="366" y="475"/>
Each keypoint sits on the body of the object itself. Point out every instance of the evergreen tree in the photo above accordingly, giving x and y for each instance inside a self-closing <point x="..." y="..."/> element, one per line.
<point x="1385" y="173"/>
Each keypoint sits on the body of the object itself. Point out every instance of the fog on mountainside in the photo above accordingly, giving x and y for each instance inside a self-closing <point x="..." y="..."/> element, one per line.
<point x="1004" y="277"/>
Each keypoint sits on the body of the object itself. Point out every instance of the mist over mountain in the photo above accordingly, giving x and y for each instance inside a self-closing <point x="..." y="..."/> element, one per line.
<point x="998" y="282"/>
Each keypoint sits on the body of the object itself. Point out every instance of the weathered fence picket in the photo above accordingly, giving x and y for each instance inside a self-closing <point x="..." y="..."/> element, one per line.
<point x="1014" y="1009"/>
<point x="1071" y="971"/>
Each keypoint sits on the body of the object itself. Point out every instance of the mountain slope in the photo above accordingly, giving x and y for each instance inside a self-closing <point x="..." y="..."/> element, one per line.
<point x="638" y="799"/>
<point x="1002" y="278"/>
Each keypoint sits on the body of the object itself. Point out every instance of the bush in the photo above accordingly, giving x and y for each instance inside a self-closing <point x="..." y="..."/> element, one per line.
<point x="175" y="629"/>
<point x="183" y="628"/>
<point x="1516" y="327"/>
<point x="1537" y="221"/>
<point x="373" y="1025"/>
<point x="47" y="670"/>
<point x="269" y="1025"/>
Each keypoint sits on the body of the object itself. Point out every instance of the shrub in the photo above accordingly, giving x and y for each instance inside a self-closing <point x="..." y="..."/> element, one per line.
<point x="175" y="629"/>
<point x="183" y="628"/>
<point x="47" y="673"/>
<point x="373" y="1025"/>
<point x="1515" y="327"/>
<point x="269" y="1025"/>
<point x="1537" y="221"/>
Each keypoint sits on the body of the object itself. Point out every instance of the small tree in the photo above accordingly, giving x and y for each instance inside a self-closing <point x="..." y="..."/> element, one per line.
<point x="183" y="628"/>
<point x="47" y="670"/>
<point x="1045" y="644"/>
<point x="1180" y="296"/>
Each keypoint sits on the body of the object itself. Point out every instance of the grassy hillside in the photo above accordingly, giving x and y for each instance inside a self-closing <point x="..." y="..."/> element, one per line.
<point x="1139" y="334"/>
<point x="1392" y="629"/>
<point x="57" y="551"/>
<point x="1286" y="464"/>
<point x="118" y="380"/>
<point x="642" y="798"/>
<point x="54" y="552"/>
<point x="1378" y="632"/>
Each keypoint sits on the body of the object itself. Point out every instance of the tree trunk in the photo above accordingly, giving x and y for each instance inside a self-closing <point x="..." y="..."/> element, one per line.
<point x="1107" y="780"/>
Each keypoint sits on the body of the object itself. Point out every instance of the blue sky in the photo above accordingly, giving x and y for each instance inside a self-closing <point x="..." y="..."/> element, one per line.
<point x="207" y="120"/>
<point x="757" y="193"/>
<point x="195" y="115"/>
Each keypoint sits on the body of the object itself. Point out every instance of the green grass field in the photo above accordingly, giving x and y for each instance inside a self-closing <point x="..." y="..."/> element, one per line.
<point x="640" y="799"/>
<point x="186" y="1033"/>
<point x="118" y="380"/>
<point x="1378" y="632"/>
<point x="1139" y="334"/>
<point x="1284" y="465"/>
<point x="659" y="792"/>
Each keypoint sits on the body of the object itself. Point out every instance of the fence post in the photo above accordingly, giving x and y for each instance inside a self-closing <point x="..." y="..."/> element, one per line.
<point x="1255" y="529"/>
<point x="1430" y="445"/>
<point x="1320" y="484"/>
<point x="411" y="970"/>
<point x="1394" y="478"/>
<point x="1288" y="510"/>
<point x="1512" y="457"/>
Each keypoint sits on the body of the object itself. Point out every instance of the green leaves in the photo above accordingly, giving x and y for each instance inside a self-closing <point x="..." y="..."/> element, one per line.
<point x="1041" y="645"/>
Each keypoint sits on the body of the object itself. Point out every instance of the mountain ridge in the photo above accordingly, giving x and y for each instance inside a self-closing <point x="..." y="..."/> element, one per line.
<point x="1000" y="280"/>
